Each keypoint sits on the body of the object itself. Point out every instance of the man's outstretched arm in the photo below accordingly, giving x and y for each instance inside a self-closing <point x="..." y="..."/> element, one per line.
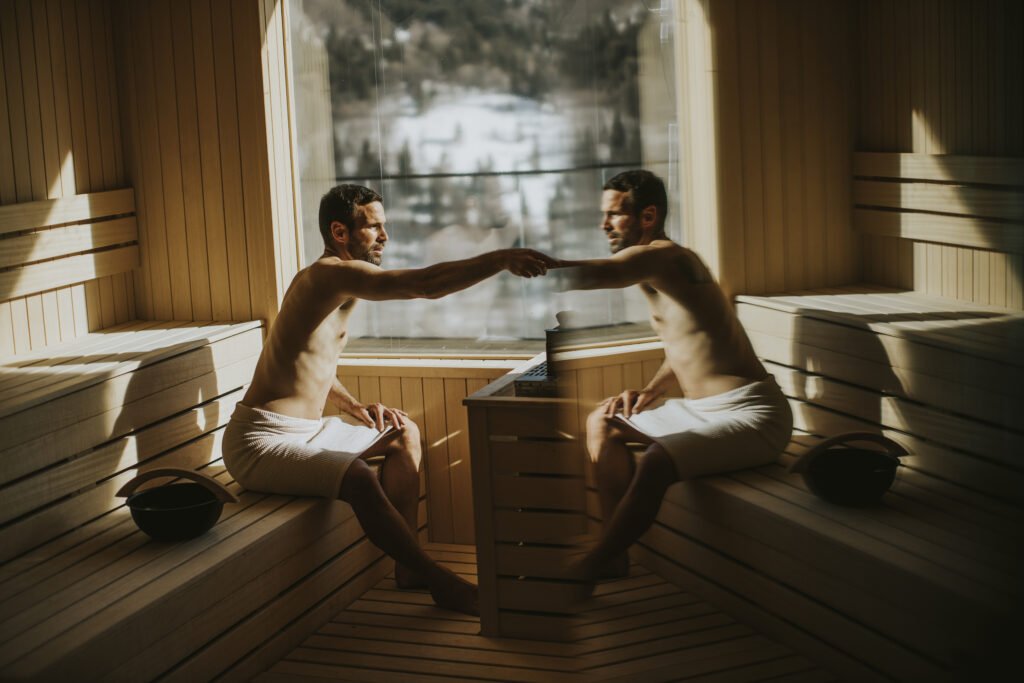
<point x="366" y="281"/>
<point x="628" y="267"/>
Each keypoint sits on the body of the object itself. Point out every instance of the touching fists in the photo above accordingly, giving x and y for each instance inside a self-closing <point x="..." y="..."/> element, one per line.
<point x="527" y="262"/>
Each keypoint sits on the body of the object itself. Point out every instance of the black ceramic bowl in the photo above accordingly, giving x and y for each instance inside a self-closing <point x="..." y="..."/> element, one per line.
<point x="175" y="512"/>
<point x="851" y="476"/>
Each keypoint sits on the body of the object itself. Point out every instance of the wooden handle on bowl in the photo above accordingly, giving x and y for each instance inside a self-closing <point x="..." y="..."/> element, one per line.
<point x="214" y="486"/>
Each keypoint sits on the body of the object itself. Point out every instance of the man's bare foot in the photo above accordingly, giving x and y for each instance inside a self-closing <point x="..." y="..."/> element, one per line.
<point x="406" y="579"/>
<point x="455" y="593"/>
<point x="617" y="568"/>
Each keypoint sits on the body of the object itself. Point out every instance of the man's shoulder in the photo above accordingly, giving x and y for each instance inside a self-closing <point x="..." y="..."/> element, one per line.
<point x="328" y="264"/>
<point x="674" y="258"/>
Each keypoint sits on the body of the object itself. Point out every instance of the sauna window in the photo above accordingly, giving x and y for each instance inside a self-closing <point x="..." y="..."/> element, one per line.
<point x="484" y="124"/>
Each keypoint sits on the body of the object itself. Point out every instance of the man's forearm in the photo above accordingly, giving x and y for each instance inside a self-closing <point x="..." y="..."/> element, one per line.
<point x="446" y="278"/>
<point x="340" y="393"/>
<point x="663" y="379"/>
<point x="595" y="274"/>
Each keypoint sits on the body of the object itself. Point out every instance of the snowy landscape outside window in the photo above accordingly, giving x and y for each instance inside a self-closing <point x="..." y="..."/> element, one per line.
<point x="484" y="124"/>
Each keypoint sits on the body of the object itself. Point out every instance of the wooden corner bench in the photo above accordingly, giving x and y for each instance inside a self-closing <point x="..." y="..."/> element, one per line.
<point x="924" y="586"/>
<point x="83" y="593"/>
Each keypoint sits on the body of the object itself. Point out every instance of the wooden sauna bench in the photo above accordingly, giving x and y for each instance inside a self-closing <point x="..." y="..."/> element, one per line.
<point x="83" y="593"/>
<point x="925" y="586"/>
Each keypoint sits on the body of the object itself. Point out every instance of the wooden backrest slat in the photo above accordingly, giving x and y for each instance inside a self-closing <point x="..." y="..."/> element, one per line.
<point x="75" y="209"/>
<point x="69" y="239"/>
<point x="966" y="201"/>
<point x="40" y="277"/>
<point x="58" y="242"/>
<point x="941" y="168"/>
<point x="934" y="197"/>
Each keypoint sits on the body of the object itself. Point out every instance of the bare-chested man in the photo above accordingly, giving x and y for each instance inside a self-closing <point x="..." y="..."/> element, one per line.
<point x="278" y="442"/>
<point x="733" y="415"/>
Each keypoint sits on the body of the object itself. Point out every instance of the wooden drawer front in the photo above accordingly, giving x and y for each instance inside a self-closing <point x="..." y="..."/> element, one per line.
<point x="534" y="561"/>
<point x="537" y="595"/>
<point x="536" y="457"/>
<point x="538" y="527"/>
<point x="529" y="421"/>
<point x="544" y="493"/>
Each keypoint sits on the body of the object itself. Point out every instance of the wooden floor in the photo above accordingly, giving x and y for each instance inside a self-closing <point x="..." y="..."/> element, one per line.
<point x="635" y="629"/>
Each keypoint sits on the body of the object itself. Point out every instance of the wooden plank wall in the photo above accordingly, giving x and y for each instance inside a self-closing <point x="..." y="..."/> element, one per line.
<point x="432" y="395"/>
<point x="942" y="77"/>
<point x="60" y="136"/>
<point x="208" y="150"/>
<point x="766" y="120"/>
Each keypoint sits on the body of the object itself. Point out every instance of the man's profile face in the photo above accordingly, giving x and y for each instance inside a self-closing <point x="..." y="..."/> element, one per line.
<point x="367" y="238"/>
<point x="620" y="225"/>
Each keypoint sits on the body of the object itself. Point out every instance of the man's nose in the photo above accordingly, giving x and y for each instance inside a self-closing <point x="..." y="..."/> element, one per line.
<point x="382" y="236"/>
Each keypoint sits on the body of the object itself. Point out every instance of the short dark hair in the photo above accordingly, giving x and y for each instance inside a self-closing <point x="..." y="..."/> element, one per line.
<point x="339" y="204"/>
<point x="645" y="189"/>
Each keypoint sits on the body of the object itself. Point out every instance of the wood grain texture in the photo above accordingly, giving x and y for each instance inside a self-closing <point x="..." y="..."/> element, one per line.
<point x="61" y="149"/>
<point x="943" y="116"/>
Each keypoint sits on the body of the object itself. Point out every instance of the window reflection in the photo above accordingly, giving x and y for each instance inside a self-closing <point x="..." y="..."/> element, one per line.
<point x="485" y="124"/>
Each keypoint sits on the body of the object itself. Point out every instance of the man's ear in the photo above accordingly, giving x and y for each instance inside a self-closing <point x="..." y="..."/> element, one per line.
<point x="339" y="232"/>
<point x="649" y="217"/>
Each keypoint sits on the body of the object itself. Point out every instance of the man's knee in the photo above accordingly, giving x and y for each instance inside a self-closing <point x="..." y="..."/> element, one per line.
<point x="408" y="445"/>
<point x="656" y="469"/>
<point x="360" y="480"/>
<point x="597" y="424"/>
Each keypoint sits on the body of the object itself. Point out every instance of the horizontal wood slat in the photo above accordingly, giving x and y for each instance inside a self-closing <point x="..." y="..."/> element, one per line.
<point x="67" y="271"/>
<point x="941" y="229"/>
<point x="969" y="201"/>
<point x="988" y="170"/>
<point x="73" y="209"/>
<point x="159" y="345"/>
<point x="58" y="242"/>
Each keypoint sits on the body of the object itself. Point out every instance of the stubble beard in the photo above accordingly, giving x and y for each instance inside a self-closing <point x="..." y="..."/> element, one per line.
<point x="370" y="256"/>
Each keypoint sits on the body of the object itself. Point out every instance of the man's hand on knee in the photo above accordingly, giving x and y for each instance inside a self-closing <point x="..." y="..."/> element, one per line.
<point x="629" y="402"/>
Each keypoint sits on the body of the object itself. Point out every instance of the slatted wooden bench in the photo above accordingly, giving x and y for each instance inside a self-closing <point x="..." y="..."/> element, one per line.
<point x="924" y="587"/>
<point x="83" y="593"/>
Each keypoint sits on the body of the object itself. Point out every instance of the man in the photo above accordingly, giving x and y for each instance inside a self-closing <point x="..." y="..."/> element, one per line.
<point x="733" y="415"/>
<point x="277" y="441"/>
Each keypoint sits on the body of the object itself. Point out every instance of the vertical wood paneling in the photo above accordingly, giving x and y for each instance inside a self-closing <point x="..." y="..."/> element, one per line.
<point x="951" y="71"/>
<point x="729" y="157"/>
<point x="62" y="106"/>
<point x="60" y="133"/>
<point x="191" y="170"/>
<point x="771" y="140"/>
<point x="439" y="486"/>
<point x="252" y="128"/>
<point x="210" y="155"/>
<point x="751" y="134"/>
<point x="210" y="162"/>
<point x="169" y="141"/>
<point x="778" y="79"/>
<point x="793" y="144"/>
<point x="231" y="164"/>
<point x="459" y="468"/>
